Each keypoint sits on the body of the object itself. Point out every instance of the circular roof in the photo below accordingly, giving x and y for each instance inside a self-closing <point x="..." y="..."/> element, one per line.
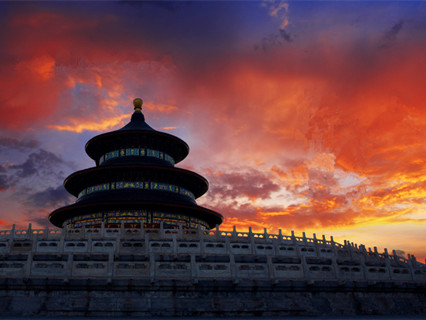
<point x="192" y="181"/>
<point x="137" y="133"/>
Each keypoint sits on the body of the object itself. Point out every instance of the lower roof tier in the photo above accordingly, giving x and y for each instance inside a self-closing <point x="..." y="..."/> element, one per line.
<point x="136" y="219"/>
<point x="64" y="215"/>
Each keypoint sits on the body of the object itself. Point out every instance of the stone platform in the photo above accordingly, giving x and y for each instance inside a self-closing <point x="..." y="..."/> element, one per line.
<point x="180" y="272"/>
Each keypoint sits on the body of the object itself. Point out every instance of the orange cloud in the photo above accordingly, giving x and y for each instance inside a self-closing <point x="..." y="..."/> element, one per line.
<point x="162" y="108"/>
<point x="323" y="132"/>
<point x="100" y="126"/>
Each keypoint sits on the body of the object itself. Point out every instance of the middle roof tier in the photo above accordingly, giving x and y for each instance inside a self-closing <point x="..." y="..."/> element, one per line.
<point x="80" y="180"/>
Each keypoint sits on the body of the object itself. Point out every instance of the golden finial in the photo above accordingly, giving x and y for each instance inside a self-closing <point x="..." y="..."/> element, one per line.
<point x="138" y="104"/>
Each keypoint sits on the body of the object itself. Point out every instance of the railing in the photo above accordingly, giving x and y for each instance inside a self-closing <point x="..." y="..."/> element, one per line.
<point x="214" y="234"/>
<point x="282" y="256"/>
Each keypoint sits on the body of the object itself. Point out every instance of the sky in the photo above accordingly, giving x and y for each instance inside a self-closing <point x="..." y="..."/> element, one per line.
<point x="303" y="115"/>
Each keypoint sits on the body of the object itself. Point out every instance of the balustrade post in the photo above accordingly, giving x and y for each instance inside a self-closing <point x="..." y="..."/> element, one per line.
<point x="387" y="263"/>
<point x="300" y="255"/>
<point x="363" y="259"/>
<point x="333" y="247"/>
<point x="201" y="235"/>
<point x="251" y="236"/>
<point x="152" y="267"/>
<point x="147" y="244"/>
<point x="199" y="232"/>
<point x="395" y="256"/>
<point x="142" y="229"/>
<point x="194" y="269"/>
<point x="414" y="260"/>
<point x="174" y="242"/>
<point x="29" y="231"/>
<point x="414" y="265"/>
<point x="62" y="241"/>
<point x="386" y="254"/>
<point x="410" y="266"/>
<point x="69" y="266"/>
<point x="110" y="265"/>
<point x="180" y="231"/>
<point x="233" y="267"/>
<point x="317" y="251"/>
<point x="350" y="248"/>
<point x="89" y="240"/>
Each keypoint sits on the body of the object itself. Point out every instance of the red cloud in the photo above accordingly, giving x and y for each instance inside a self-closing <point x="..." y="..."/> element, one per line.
<point x="311" y="117"/>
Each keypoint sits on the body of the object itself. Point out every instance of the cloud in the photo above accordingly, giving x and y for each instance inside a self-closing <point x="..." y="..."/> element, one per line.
<point x="79" y="126"/>
<point x="29" y="187"/>
<point x="390" y="37"/>
<point x="17" y="143"/>
<point x="286" y="36"/>
<point x="332" y="127"/>
<point x="4" y="183"/>
<point x="53" y="72"/>
<point x="250" y="183"/>
<point x="38" y="163"/>
<point x="161" y="108"/>
<point x="278" y="9"/>
<point x="50" y="198"/>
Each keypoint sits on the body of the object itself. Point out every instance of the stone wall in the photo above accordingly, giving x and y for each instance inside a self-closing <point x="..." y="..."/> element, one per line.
<point x="41" y="297"/>
<point x="162" y="272"/>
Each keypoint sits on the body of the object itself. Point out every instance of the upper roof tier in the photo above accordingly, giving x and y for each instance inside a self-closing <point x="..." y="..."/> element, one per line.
<point x="137" y="134"/>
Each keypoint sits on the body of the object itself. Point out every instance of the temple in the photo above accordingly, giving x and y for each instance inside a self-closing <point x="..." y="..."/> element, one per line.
<point x="135" y="243"/>
<point x="135" y="182"/>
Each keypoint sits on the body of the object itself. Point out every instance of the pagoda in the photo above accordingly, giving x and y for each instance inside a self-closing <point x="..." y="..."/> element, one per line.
<point x="135" y="183"/>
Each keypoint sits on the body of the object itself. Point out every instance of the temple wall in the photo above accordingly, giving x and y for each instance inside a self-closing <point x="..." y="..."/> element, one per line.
<point x="150" y="272"/>
<point x="83" y="297"/>
<point x="157" y="254"/>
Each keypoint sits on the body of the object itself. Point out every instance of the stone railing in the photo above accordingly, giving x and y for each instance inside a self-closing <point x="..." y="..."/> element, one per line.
<point x="195" y="254"/>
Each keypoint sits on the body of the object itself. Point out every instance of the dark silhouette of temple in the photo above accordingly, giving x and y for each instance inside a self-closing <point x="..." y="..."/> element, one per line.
<point x="136" y="183"/>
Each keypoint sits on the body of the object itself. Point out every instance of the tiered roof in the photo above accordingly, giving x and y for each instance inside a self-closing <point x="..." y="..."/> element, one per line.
<point x="135" y="182"/>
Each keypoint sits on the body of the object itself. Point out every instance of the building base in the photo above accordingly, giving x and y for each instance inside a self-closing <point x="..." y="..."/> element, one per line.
<point x="117" y="298"/>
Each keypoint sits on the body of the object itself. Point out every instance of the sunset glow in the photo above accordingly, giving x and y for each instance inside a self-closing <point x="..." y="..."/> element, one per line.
<point x="305" y="116"/>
